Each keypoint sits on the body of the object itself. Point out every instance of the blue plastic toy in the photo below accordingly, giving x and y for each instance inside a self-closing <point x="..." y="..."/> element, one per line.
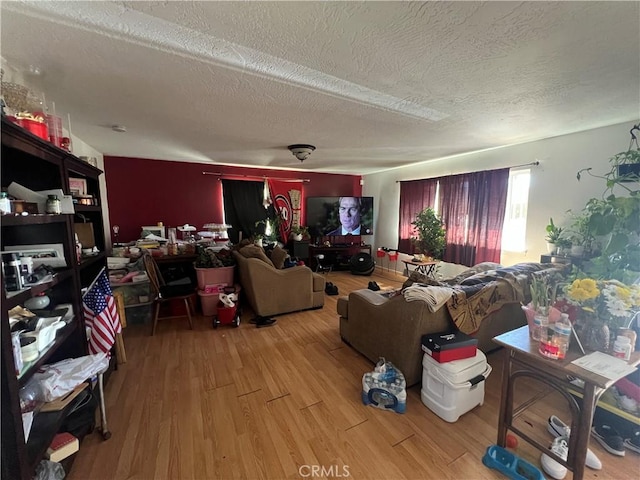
<point x="510" y="465"/>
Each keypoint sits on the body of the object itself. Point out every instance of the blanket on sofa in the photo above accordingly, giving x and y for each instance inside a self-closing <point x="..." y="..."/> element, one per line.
<point x="481" y="294"/>
<point x="435" y="296"/>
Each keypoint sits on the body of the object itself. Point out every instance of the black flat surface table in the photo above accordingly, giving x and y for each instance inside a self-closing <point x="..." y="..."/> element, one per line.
<point x="522" y="360"/>
<point x="350" y="249"/>
<point x="426" y="268"/>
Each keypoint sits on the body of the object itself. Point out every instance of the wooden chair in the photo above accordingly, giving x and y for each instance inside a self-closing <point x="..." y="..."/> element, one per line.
<point x="121" y="354"/>
<point x="165" y="293"/>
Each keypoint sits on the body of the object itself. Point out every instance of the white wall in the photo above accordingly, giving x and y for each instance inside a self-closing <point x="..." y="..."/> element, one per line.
<point x="554" y="188"/>
<point x="81" y="149"/>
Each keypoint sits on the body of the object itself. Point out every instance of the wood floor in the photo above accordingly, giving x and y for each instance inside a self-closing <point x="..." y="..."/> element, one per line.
<point x="284" y="402"/>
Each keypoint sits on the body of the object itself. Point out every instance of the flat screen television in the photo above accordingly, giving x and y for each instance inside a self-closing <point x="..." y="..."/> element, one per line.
<point x="323" y="215"/>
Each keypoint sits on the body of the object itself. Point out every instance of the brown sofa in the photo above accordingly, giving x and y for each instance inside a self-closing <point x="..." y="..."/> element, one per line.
<point x="272" y="291"/>
<point x="388" y="326"/>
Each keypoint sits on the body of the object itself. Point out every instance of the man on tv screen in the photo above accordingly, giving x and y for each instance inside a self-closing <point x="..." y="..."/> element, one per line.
<point x="349" y="212"/>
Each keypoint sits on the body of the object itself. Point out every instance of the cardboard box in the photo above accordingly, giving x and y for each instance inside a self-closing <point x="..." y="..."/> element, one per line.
<point x="448" y="346"/>
<point x="85" y="234"/>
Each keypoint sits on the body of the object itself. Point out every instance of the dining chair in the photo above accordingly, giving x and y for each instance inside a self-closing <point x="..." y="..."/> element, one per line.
<point x="164" y="293"/>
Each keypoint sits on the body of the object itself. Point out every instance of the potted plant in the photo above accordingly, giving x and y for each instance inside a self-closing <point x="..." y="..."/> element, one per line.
<point x="580" y="234"/>
<point x="214" y="267"/>
<point x="563" y="245"/>
<point x="258" y="239"/>
<point x="625" y="167"/>
<point x="553" y="235"/>
<point x="271" y="228"/>
<point x="430" y="233"/>
<point x="299" y="233"/>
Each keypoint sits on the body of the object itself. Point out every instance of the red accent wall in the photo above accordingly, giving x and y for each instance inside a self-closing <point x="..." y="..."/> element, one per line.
<point x="145" y="191"/>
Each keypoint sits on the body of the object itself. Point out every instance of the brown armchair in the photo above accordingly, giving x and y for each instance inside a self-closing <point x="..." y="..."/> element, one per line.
<point x="272" y="291"/>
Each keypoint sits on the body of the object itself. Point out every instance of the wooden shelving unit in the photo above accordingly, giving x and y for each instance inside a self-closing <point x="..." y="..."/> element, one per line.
<point x="39" y="165"/>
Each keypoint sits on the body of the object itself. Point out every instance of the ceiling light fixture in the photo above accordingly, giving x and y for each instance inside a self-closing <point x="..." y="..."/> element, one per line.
<point x="301" y="151"/>
<point x="119" y="128"/>
<point x="35" y="70"/>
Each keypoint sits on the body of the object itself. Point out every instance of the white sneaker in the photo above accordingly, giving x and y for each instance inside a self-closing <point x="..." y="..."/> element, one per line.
<point x="560" y="447"/>
<point x="558" y="428"/>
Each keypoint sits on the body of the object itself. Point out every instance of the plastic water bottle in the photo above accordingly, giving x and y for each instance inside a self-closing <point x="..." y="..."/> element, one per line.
<point x="540" y="323"/>
<point x="562" y="335"/>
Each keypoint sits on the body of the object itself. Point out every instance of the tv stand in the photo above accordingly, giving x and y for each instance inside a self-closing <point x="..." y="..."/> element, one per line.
<point x="336" y="255"/>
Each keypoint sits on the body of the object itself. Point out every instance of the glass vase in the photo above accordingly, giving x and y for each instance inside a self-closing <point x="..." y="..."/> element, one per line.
<point x="593" y="333"/>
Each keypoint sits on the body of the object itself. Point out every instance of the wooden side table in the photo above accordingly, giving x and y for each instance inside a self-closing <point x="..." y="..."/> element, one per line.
<point x="522" y="360"/>
<point x="426" y="268"/>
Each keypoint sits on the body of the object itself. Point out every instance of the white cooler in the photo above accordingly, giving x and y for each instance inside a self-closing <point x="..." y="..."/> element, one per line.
<point x="452" y="388"/>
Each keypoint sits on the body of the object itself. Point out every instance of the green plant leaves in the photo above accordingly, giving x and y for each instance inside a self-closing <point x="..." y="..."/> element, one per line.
<point x="430" y="232"/>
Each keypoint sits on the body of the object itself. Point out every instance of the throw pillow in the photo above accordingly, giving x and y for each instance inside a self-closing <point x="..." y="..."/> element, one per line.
<point x="278" y="256"/>
<point x="254" y="251"/>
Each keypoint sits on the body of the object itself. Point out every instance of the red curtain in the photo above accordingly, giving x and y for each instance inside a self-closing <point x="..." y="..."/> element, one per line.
<point x="415" y="196"/>
<point x="473" y="209"/>
<point x="287" y="201"/>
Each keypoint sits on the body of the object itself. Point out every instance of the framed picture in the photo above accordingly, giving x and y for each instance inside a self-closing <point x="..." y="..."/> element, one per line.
<point x="153" y="229"/>
<point x="77" y="186"/>
<point x="51" y="254"/>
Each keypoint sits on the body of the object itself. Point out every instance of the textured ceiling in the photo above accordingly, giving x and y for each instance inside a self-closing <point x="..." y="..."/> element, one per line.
<point x="373" y="85"/>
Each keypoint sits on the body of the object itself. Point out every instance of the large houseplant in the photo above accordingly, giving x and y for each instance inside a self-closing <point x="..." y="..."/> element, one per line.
<point x="430" y="233"/>
<point x="614" y="222"/>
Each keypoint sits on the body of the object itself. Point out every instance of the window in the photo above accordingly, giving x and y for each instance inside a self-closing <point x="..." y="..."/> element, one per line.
<point x="515" y="219"/>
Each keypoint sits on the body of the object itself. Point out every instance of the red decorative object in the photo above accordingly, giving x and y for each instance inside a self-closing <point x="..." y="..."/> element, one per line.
<point x="37" y="128"/>
<point x="65" y="143"/>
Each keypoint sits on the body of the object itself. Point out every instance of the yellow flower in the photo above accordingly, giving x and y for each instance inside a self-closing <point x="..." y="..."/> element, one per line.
<point x="585" y="289"/>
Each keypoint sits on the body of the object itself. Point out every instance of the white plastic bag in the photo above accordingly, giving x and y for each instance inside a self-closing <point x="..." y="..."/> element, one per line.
<point x="60" y="378"/>
<point x="228" y="300"/>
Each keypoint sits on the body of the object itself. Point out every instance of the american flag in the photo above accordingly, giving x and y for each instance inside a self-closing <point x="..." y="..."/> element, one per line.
<point x="101" y="316"/>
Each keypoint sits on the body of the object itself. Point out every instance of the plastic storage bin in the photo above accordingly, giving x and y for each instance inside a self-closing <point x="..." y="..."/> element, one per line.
<point x="140" y="314"/>
<point x="214" y="276"/>
<point x="453" y="388"/>
<point x="209" y="302"/>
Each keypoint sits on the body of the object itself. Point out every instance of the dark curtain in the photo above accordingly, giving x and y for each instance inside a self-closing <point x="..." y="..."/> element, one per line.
<point x="473" y="209"/>
<point x="415" y="196"/>
<point x="488" y="214"/>
<point x="243" y="207"/>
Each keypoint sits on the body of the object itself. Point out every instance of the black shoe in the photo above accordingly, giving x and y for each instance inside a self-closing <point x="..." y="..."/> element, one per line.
<point x="265" y="322"/>
<point x="374" y="286"/>
<point x="633" y="443"/>
<point x="609" y="438"/>
<point x="330" y="289"/>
